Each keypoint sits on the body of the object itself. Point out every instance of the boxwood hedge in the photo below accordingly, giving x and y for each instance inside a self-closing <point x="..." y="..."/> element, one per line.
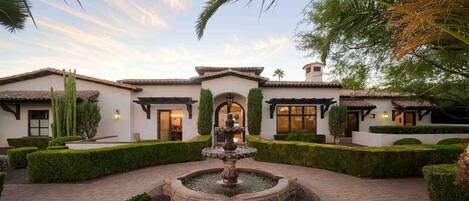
<point x="440" y="187"/>
<point x="17" y="156"/>
<point x="39" y="142"/>
<point x="76" y="165"/>
<point x="405" y="141"/>
<point x="60" y="141"/>
<point x="419" y="129"/>
<point x="372" y="162"/>
<point x="450" y="141"/>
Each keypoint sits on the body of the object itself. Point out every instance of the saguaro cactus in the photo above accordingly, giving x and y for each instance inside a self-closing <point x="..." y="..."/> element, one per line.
<point x="64" y="108"/>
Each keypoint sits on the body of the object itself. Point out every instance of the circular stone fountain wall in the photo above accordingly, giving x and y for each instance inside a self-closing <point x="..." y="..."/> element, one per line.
<point x="206" y="184"/>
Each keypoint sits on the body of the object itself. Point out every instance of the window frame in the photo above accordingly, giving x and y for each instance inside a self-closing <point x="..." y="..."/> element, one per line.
<point x="39" y="127"/>
<point x="290" y="115"/>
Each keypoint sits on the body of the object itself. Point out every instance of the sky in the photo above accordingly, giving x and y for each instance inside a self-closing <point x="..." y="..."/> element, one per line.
<point x="123" y="39"/>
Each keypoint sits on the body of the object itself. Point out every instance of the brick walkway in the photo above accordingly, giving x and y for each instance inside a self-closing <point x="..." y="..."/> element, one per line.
<point x="326" y="184"/>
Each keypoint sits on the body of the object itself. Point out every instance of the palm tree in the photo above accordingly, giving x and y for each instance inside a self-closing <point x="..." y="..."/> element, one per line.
<point x="279" y="73"/>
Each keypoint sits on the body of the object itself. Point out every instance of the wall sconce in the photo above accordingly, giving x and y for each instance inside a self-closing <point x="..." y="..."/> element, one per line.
<point x="117" y="115"/>
<point x="385" y="115"/>
<point x="372" y="116"/>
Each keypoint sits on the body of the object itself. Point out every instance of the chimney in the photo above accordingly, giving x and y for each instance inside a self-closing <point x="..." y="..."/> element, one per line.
<point x="313" y="71"/>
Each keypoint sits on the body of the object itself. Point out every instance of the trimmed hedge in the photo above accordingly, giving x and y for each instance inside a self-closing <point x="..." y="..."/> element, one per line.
<point x="141" y="197"/>
<point x="302" y="137"/>
<point x="60" y="141"/>
<point x="77" y="165"/>
<point x="440" y="187"/>
<point x="372" y="162"/>
<point x="405" y="141"/>
<point x="204" y="120"/>
<point x="39" y="142"/>
<point x="419" y="129"/>
<point x="56" y="147"/>
<point x="2" y="180"/>
<point x="17" y="157"/>
<point x="255" y="98"/>
<point x="450" y="141"/>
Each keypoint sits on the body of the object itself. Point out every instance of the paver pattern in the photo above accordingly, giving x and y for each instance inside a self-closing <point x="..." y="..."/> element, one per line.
<point x="326" y="184"/>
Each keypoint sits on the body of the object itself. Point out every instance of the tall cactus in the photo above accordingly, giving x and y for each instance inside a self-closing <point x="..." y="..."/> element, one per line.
<point x="64" y="107"/>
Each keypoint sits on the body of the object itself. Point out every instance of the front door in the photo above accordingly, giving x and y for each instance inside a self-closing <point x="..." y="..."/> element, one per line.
<point x="409" y="118"/>
<point x="164" y="124"/>
<point x="352" y="123"/>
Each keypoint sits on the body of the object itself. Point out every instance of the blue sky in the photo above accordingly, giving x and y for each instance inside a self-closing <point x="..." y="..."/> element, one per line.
<point x="118" y="39"/>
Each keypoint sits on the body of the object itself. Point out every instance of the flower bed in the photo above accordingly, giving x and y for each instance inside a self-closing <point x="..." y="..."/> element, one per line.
<point x="419" y="129"/>
<point x="372" y="162"/>
<point x="76" y="165"/>
<point x="439" y="180"/>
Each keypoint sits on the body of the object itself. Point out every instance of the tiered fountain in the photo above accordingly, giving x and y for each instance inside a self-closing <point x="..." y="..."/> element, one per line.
<point x="229" y="183"/>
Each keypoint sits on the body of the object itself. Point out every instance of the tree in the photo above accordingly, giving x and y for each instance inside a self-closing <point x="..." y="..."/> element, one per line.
<point x="204" y="121"/>
<point x="279" y="73"/>
<point x="255" y="98"/>
<point x="88" y="118"/>
<point x="337" y="120"/>
<point x="64" y="107"/>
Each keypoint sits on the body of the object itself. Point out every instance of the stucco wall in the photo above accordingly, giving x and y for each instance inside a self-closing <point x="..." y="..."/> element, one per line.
<point x="110" y="99"/>
<point x="379" y="140"/>
<point x="269" y="128"/>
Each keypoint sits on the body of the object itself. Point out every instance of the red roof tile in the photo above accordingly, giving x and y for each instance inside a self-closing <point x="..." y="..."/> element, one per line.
<point x="43" y="95"/>
<point x="356" y="103"/>
<point x="230" y="72"/>
<point x="202" y="69"/>
<point x="347" y="93"/>
<point x="412" y="104"/>
<point x="159" y="81"/>
<point x="301" y="84"/>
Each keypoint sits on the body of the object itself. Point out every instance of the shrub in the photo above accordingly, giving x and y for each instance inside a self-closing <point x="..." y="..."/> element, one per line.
<point x="39" y="142"/>
<point x="440" y="187"/>
<point x="2" y="180"/>
<point x="60" y="141"/>
<point x="141" y="197"/>
<point x="337" y="120"/>
<point x="419" y="129"/>
<point x="204" y="121"/>
<point x="77" y="165"/>
<point x="88" y="117"/>
<point x="17" y="156"/>
<point x="449" y="141"/>
<point x="56" y="147"/>
<point x="255" y="98"/>
<point x="304" y="136"/>
<point x="372" y="162"/>
<point x="405" y="141"/>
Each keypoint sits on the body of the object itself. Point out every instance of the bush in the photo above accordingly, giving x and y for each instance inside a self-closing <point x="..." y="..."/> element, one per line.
<point x="204" y="121"/>
<point x="2" y="180"/>
<point x="405" y="141"/>
<point x="141" y="197"/>
<point x="440" y="187"/>
<point x="56" y="147"/>
<point x="419" y="129"/>
<point x="88" y="117"/>
<point x="39" y="142"/>
<point x="77" y="165"/>
<point x="255" y="98"/>
<point x="17" y="156"/>
<point x="337" y="120"/>
<point x="450" y="141"/>
<point x="372" y="162"/>
<point x="60" y="141"/>
<point x="302" y="136"/>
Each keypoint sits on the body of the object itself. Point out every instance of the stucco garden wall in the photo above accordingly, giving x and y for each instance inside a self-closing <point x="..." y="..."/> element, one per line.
<point x="379" y="140"/>
<point x="110" y="99"/>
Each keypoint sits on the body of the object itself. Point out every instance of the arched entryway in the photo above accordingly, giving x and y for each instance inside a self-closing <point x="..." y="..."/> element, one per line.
<point x="239" y="116"/>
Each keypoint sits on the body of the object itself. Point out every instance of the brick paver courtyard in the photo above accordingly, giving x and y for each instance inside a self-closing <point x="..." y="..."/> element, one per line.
<point x="326" y="184"/>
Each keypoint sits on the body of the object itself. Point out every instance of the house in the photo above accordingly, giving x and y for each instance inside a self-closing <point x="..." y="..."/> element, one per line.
<point x="167" y="109"/>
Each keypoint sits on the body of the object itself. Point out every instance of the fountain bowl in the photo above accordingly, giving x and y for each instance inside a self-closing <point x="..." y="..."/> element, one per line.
<point x="178" y="190"/>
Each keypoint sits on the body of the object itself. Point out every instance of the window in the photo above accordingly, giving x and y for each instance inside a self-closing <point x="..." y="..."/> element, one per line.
<point x="38" y="122"/>
<point x="317" y="69"/>
<point x="296" y="118"/>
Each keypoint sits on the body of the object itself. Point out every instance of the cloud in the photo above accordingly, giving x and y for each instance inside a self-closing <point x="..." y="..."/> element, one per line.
<point x="178" y="4"/>
<point x="142" y="15"/>
<point x="233" y="48"/>
<point x="272" y="43"/>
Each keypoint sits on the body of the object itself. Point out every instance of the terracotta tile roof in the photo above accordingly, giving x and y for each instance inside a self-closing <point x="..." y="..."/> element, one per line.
<point x="202" y="69"/>
<point x="43" y="95"/>
<point x="356" y="103"/>
<point x="412" y="104"/>
<point x="158" y="81"/>
<point x="51" y="71"/>
<point x="230" y="72"/>
<point x="347" y="93"/>
<point x="301" y="84"/>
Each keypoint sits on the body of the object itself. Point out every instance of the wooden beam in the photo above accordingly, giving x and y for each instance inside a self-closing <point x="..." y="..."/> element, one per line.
<point x="324" y="109"/>
<point x="421" y="115"/>
<point x="272" y="110"/>
<point x="189" y="110"/>
<point x="364" y="114"/>
<point x="395" y="114"/>
<point x="147" y="110"/>
<point x="15" y="112"/>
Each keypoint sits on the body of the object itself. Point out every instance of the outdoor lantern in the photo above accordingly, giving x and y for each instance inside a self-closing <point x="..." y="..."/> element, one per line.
<point x="117" y="115"/>
<point x="372" y="116"/>
<point x="385" y="115"/>
<point x="229" y="101"/>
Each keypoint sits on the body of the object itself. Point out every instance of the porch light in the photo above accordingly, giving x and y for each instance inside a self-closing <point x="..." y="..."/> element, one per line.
<point x="176" y="115"/>
<point x="117" y="115"/>
<point x="385" y="115"/>
<point x="372" y="116"/>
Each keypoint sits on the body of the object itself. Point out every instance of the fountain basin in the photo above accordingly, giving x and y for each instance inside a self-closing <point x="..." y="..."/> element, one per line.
<point x="271" y="186"/>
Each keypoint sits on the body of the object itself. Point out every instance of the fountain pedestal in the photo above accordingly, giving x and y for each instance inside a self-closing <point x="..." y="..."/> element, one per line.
<point x="229" y="174"/>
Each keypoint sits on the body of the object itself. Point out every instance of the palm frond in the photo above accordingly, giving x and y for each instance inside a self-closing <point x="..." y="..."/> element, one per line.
<point x="13" y="14"/>
<point x="210" y="8"/>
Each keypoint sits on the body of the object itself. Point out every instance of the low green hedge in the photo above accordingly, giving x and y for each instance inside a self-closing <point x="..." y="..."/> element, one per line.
<point x="17" y="157"/>
<point x="405" y="141"/>
<point x="39" y="142"/>
<point x="372" y="162"/>
<point x="60" y="141"/>
<point x="141" y="197"/>
<point x="303" y="137"/>
<point x="419" y="129"/>
<point x="56" y="147"/>
<point x="440" y="187"/>
<point x="2" y="180"/>
<point x="76" y="165"/>
<point x="450" y="141"/>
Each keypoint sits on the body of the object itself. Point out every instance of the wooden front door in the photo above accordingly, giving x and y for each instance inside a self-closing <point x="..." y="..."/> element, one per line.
<point x="409" y="118"/>
<point x="164" y="125"/>
<point x="352" y="123"/>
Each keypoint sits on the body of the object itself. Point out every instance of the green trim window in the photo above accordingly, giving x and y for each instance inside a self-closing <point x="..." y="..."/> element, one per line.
<point x="296" y="118"/>
<point x="38" y="122"/>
